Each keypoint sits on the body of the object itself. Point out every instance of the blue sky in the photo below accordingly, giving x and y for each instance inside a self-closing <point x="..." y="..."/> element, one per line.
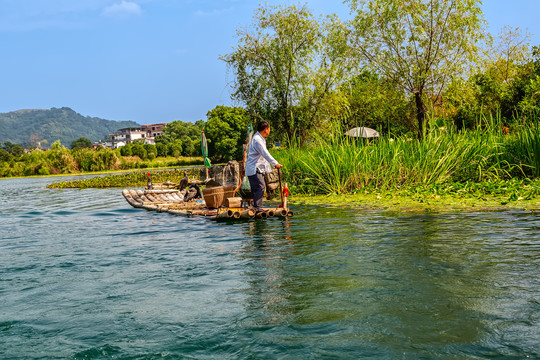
<point x="146" y="60"/>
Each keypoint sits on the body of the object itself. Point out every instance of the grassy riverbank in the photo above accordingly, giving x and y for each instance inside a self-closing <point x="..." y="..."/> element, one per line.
<point x="421" y="203"/>
<point x="481" y="169"/>
<point x="498" y="195"/>
<point x="444" y="157"/>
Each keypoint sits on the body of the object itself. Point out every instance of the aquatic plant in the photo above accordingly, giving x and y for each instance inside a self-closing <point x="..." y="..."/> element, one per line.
<point x="131" y="179"/>
<point x="344" y="165"/>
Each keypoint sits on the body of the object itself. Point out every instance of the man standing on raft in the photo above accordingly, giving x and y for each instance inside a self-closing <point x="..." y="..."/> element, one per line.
<point x="258" y="163"/>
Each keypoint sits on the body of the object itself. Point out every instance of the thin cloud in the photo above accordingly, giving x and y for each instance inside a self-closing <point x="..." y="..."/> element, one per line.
<point x="212" y="13"/>
<point x="122" y="9"/>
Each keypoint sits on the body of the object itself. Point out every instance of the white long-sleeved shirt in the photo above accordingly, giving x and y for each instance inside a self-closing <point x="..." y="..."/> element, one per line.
<point x="258" y="156"/>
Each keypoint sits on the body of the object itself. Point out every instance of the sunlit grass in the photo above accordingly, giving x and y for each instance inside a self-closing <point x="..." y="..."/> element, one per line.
<point x="344" y="165"/>
<point x="131" y="179"/>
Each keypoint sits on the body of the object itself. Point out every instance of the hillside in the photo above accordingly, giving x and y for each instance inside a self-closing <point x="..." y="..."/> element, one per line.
<point x="62" y="124"/>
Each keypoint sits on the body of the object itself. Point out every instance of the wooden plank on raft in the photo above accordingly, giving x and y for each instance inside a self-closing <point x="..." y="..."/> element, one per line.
<point x="233" y="202"/>
<point x="172" y="202"/>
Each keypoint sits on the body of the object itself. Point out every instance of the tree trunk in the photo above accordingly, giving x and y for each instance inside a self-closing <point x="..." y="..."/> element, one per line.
<point x="286" y="122"/>
<point x="420" y="113"/>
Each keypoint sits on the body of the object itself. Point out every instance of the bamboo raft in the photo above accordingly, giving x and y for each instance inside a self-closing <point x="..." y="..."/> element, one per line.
<point x="170" y="201"/>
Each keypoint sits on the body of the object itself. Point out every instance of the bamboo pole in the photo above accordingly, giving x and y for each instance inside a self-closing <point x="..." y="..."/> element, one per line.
<point x="280" y="212"/>
<point x="198" y="212"/>
<point x="225" y="214"/>
<point x="285" y="200"/>
<point x="280" y="187"/>
<point x="177" y="198"/>
<point x="129" y="198"/>
<point x="261" y="215"/>
<point x="247" y="214"/>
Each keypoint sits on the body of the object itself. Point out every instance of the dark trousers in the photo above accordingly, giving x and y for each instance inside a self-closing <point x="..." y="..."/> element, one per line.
<point x="257" y="184"/>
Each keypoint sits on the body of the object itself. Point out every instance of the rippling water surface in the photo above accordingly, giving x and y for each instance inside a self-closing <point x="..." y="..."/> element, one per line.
<point x="85" y="276"/>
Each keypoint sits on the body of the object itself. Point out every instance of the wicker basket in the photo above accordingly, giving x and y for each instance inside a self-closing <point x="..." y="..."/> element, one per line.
<point x="213" y="197"/>
<point x="229" y="191"/>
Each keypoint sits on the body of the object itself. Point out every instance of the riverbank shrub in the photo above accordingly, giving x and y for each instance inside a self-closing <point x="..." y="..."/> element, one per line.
<point x="345" y="165"/>
<point x="60" y="160"/>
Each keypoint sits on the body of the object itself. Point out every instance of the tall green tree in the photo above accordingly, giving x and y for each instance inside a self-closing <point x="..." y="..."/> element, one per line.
<point x="286" y="68"/>
<point x="225" y="132"/>
<point x="375" y="103"/>
<point x="176" y="130"/>
<point x="507" y="83"/>
<point x="81" y="142"/>
<point x="14" y="149"/>
<point x="418" y="44"/>
<point x="511" y="68"/>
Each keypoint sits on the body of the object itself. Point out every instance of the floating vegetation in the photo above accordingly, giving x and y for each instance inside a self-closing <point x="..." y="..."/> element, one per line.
<point x="505" y="190"/>
<point x="450" y="197"/>
<point x="132" y="179"/>
<point x="514" y="188"/>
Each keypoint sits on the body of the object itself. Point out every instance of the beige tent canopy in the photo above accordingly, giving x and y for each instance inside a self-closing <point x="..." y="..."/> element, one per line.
<point x="362" y="132"/>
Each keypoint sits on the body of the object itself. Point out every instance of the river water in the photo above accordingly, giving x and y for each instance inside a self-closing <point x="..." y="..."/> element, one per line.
<point x="85" y="276"/>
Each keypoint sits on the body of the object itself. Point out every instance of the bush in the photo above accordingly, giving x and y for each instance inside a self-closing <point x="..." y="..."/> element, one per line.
<point x="140" y="151"/>
<point x="84" y="159"/>
<point x="5" y="156"/>
<point x="81" y="142"/>
<point x="126" y="150"/>
<point x="175" y="148"/>
<point x="161" y="150"/>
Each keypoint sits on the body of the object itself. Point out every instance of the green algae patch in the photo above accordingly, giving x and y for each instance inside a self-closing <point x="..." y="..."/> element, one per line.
<point x="129" y="179"/>
<point x="419" y="204"/>
<point x="492" y="195"/>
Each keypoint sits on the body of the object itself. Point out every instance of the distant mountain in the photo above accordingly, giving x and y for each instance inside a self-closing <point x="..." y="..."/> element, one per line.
<point x="63" y="124"/>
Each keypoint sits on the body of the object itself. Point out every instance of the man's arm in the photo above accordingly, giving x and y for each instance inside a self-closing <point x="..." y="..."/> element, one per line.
<point x="261" y="149"/>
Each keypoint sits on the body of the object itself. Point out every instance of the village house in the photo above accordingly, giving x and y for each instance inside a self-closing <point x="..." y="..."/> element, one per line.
<point x="145" y="134"/>
<point x="153" y="130"/>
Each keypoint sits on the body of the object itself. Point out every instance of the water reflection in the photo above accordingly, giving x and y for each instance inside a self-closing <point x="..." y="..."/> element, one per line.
<point x="411" y="284"/>
<point x="269" y="248"/>
<point x="83" y="265"/>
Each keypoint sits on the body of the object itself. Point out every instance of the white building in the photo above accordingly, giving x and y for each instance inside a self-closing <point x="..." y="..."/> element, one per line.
<point x="126" y="135"/>
<point x="145" y="134"/>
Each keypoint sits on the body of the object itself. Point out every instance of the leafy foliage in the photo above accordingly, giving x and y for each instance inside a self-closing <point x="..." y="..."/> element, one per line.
<point x="444" y="156"/>
<point x="375" y="103"/>
<point x="181" y="138"/>
<point x="419" y="45"/>
<point x="225" y="130"/>
<point x="286" y="68"/>
<point x="60" y="160"/>
<point x="12" y="149"/>
<point x="81" y="142"/>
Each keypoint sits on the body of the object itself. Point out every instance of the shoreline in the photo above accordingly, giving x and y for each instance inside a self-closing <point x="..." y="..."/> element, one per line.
<point x="380" y="200"/>
<point x="426" y="204"/>
<point x="106" y="172"/>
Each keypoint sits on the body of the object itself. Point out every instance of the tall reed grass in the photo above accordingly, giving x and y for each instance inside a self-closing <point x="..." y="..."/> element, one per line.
<point x="341" y="164"/>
